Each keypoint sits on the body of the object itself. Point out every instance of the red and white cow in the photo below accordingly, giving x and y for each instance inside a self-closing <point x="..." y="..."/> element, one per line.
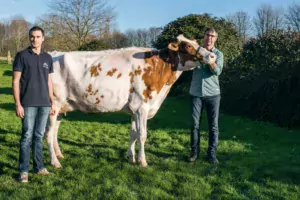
<point x="135" y="80"/>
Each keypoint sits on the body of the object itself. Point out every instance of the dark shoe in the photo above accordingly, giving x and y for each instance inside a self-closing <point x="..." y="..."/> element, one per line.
<point x="212" y="160"/>
<point x="23" y="177"/>
<point x="192" y="157"/>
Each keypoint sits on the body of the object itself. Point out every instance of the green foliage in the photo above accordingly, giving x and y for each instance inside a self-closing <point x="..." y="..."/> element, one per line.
<point x="263" y="82"/>
<point x="114" y="41"/>
<point x="95" y="45"/>
<point x="270" y="51"/>
<point x="257" y="160"/>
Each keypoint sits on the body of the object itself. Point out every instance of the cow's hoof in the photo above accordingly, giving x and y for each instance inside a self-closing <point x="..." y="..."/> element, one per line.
<point x="143" y="164"/>
<point x="60" y="156"/>
<point x="56" y="165"/>
<point x="131" y="159"/>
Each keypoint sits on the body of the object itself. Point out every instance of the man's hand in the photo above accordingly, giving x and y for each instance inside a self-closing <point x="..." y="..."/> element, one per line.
<point x="210" y="58"/>
<point x="20" y="111"/>
<point x="53" y="110"/>
<point x="212" y="66"/>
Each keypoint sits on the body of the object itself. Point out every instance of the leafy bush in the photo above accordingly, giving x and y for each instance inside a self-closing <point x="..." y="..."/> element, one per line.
<point x="264" y="81"/>
<point x="94" y="45"/>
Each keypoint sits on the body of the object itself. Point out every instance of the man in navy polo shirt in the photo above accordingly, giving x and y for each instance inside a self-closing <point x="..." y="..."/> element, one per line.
<point x="33" y="94"/>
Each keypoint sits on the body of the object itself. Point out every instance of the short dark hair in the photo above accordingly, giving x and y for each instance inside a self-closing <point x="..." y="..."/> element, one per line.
<point x="36" y="28"/>
<point x="210" y="29"/>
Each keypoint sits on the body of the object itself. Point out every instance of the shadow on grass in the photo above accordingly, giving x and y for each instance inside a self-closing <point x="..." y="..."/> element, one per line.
<point x="6" y="90"/>
<point x="114" y="118"/>
<point x="7" y="73"/>
<point x="8" y="106"/>
<point x="172" y="114"/>
<point x="4" y="132"/>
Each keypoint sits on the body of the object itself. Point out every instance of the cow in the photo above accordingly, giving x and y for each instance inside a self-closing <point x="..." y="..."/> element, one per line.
<point x="134" y="79"/>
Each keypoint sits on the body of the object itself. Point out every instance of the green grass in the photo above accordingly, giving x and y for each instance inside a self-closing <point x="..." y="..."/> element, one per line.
<point x="257" y="160"/>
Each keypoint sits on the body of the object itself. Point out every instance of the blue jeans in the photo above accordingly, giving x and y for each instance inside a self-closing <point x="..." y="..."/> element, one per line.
<point x="212" y="105"/>
<point x="33" y="126"/>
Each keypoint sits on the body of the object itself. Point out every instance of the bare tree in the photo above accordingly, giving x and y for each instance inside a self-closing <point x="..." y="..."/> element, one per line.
<point x="278" y="19"/>
<point x="267" y="19"/>
<point x="18" y="32"/>
<point x="142" y="37"/>
<point x="56" y="33"/>
<point x="242" y="23"/>
<point x="81" y="18"/>
<point x="117" y="40"/>
<point x="154" y="32"/>
<point x="293" y="16"/>
<point x="2" y="36"/>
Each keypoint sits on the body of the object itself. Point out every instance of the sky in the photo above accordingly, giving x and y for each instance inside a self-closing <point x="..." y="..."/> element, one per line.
<point x="134" y="14"/>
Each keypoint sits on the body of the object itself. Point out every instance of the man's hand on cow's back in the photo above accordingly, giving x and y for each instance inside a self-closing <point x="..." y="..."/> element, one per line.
<point x="20" y="111"/>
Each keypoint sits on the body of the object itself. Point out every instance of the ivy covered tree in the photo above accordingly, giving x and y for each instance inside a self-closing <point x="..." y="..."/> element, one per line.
<point x="193" y="27"/>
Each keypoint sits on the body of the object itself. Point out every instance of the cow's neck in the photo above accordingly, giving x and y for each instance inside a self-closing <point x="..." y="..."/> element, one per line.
<point x="160" y="72"/>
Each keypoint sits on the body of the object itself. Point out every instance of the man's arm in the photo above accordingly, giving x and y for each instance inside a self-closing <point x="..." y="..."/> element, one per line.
<point x="216" y="67"/>
<point x="51" y="97"/>
<point x="16" y="92"/>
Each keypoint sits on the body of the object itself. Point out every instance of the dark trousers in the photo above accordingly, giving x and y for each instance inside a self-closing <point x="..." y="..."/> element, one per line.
<point x="212" y="105"/>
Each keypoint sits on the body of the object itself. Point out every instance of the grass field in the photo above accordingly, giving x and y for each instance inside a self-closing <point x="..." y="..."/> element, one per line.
<point x="257" y="160"/>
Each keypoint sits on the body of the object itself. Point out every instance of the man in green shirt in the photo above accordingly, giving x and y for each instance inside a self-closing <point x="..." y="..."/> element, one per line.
<point x="205" y="92"/>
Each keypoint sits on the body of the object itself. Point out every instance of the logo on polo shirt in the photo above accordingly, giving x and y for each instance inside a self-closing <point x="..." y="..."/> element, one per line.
<point x="45" y="65"/>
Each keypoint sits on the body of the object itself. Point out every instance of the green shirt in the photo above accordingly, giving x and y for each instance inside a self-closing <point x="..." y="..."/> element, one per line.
<point x="205" y="82"/>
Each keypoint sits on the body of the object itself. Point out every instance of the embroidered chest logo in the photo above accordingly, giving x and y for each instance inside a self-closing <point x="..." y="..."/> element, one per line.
<point x="45" y="65"/>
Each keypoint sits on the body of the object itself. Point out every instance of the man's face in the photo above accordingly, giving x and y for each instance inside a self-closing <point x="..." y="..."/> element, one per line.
<point x="36" y="39"/>
<point x="210" y="38"/>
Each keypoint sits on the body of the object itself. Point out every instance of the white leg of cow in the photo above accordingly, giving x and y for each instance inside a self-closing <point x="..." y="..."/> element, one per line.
<point x="50" y="141"/>
<point x="56" y="145"/>
<point x="133" y="138"/>
<point x="141" y="119"/>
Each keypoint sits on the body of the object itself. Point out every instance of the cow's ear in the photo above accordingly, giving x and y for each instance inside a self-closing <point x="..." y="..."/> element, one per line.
<point x="173" y="46"/>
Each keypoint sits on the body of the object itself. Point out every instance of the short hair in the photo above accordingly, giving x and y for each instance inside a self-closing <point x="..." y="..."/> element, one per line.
<point x="210" y="29"/>
<point x="36" y="28"/>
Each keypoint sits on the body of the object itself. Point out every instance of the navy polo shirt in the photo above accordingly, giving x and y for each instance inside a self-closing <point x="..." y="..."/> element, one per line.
<point x="34" y="91"/>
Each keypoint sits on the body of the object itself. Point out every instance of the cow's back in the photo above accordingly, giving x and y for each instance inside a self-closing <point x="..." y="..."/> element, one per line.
<point x="95" y="81"/>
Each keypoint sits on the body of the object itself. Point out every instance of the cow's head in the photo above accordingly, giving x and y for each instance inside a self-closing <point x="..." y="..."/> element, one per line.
<point x="190" y="53"/>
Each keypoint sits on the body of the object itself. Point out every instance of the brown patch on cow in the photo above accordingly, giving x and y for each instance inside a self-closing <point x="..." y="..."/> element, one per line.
<point x="147" y="95"/>
<point x="102" y="96"/>
<point x="131" y="90"/>
<point x="120" y="74"/>
<point x="89" y="89"/>
<point x="158" y="73"/>
<point x="99" y="67"/>
<point x="138" y="71"/>
<point x="97" y="100"/>
<point x="131" y="77"/>
<point x="94" y="70"/>
<point x="111" y="72"/>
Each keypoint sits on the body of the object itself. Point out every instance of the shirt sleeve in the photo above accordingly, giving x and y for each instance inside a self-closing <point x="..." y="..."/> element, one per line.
<point x="220" y="62"/>
<point x="51" y="65"/>
<point x="18" y="65"/>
